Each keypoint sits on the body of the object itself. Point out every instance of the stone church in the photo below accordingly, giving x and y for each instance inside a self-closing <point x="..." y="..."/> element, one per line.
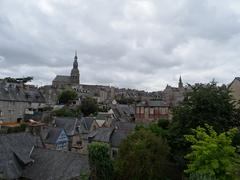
<point x="61" y="81"/>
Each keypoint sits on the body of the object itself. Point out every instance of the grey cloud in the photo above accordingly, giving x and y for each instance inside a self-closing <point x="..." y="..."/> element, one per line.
<point x="143" y="44"/>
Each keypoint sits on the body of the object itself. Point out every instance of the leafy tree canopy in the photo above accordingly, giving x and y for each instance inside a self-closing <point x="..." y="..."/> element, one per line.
<point x="206" y="103"/>
<point x="100" y="163"/>
<point x="89" y="106"/>
<point x="67" y="96"/>
<point x="212" y="154"/>
<point x="143" y="155"/>
<point x="67" y="112"/>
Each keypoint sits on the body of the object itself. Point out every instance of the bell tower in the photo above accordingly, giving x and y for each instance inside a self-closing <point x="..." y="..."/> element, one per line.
<point x="75" y="75"/>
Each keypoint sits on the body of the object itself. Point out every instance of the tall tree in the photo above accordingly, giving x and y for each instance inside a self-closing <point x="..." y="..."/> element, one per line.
<point x="212" y="154"/>
<point x="89" y="106"/>
<point x="101" y="166"/>
<point x="143" y="155"/>
<point x="67" y="96"/>
<point x="206" y="103"/>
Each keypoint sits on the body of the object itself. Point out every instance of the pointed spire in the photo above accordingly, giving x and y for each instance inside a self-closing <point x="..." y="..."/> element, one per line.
<point x="75" y="63"/>
<point x="75" y="55"/>
<point x="180" y="83"/>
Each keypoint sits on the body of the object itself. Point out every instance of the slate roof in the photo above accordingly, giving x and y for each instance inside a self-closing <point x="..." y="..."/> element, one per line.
<point x="62" y="79"/>
<point x="111" y="136"/>
<point x="69" y="124"/>
<point x="20" y="94"/>
<point x="86" y="123"/>
<point x="15" y="148"/>
<point x="101" y="135"/>
<point x="117" y="137"/>
<point x="124" y="126"/>
<point x="153" y="103"/>
<point x="55" y="165"/>
<point x="51" y="134"/>
<point x="238" y="78"/>
<point x="122" y="130"/>
<point x="123" y="112"/>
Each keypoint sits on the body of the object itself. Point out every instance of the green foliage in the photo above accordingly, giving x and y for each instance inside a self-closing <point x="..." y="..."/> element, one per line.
<point x="103" y="109"/>
<point x="163" y="123"/>
<point x="212" y="154"/>
<point x="19" y="80"/>
<point x="125" y="100"/>
<point x="143" y="155"/>
<point x="89" y="106"/>
<point x="67" y="96"/>
<point x="154" y="128"/>
<point x="84" y="176"/>
<point x="207" y="103"/>
<point x="67" y="112"/>
<point x="100" y="163"/>
<point x="197" y="176"/>
<point x="236" y="141"/>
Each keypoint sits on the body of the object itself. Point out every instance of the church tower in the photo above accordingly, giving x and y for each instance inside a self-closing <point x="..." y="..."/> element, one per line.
<point x="180" y="83"/>
<point x="75" y="75"/>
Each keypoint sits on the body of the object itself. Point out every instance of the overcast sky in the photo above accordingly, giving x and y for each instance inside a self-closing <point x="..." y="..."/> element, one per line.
<point x="143" y="44"/>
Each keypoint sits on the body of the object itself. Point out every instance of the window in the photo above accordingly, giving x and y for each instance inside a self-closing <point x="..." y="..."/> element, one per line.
<point x="61" y="146"/>
<point x="1" y="113"/>
<point x="151" y="111"/>
<point x="10" y="111"/>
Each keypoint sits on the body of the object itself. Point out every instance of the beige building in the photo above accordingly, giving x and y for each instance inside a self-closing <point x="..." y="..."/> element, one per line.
<point x="174" y="95"/>
<point x="234" y="88"/>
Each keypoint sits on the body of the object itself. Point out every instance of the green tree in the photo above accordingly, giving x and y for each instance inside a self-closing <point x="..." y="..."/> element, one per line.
<point x="67" y="96"/>
<point x="163" y="123"/>
<point x="206" y="103"/>
<point x="89" y="106"/>
<point x="101" y="166"/>
<point x="212" y="154"/>
<point x="143" y="155"/>
<point x="67" y="112"/>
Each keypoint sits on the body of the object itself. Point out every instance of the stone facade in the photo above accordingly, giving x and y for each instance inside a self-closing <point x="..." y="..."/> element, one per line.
<point x="17" y="99"/>
<point x="234" y="88"/>
<point x="174" y="95"/>
<point x="62" y="81"/>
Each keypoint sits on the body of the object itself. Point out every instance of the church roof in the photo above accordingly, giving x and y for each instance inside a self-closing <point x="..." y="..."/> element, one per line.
<point x="62" y="78"/>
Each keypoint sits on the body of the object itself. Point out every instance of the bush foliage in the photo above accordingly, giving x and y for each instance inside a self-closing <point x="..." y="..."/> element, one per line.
<point x="212" y="154"/>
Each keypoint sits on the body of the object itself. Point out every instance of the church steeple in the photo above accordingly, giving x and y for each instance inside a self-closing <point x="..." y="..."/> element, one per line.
<point x="180" y="83"/>
<point x="75" y="63"/>
<point x="75" y="75"/>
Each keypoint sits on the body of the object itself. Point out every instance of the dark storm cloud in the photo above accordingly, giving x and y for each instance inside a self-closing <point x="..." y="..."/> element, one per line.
<point x="144" y="44"/>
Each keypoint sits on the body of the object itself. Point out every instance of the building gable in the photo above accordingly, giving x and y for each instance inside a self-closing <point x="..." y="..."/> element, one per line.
<point x="62" y="137"/>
